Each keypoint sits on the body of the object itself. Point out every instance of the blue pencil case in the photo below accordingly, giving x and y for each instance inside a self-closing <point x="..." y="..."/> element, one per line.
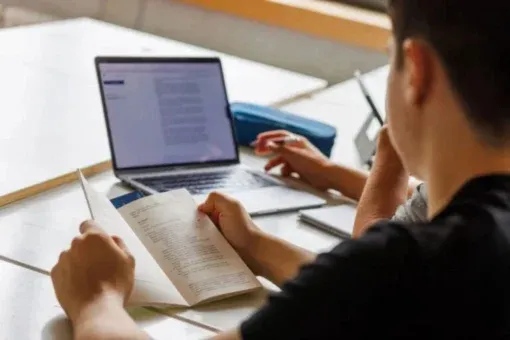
<point x="251" y="119"/>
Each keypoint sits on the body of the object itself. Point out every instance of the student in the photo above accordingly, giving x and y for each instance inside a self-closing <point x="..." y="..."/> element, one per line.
<point x="448" y="124"/>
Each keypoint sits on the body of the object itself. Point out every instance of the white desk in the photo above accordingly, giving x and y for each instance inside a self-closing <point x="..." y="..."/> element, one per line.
<point x="52" y="121"/>
<point x="29" y="311"/>
<point x="68" y="48"/>
<point x="348" y="93"/>
<point x="27" y="227"/>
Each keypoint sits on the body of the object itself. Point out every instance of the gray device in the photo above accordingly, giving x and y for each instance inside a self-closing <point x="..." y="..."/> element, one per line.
<point x="170" y="126"/>
<point x="366" y="139"/>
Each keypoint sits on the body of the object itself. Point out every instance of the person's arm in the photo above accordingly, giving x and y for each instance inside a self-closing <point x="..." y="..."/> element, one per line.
<point x="303" y="159"/>
<point x="275" y="259"/>
<point x="386" y="188"/>
<point x="351" y="182"/>
<point x="266" y="255"/>
<point x="348" y="181"/>
<point x="106" y="319"/>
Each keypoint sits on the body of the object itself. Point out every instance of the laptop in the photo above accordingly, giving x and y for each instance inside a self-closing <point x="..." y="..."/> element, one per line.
<point x="170" y="126"/>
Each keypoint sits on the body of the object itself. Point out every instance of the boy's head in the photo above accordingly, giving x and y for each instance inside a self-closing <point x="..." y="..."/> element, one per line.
<point x="448" y="57"/>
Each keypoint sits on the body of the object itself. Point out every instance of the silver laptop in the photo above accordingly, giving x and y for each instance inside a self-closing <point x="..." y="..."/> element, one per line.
<point x="169" y="127"/>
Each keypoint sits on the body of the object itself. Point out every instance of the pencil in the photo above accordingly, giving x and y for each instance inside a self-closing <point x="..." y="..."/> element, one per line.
<point x="281" y="141"/>
<point x="368" y="97"/>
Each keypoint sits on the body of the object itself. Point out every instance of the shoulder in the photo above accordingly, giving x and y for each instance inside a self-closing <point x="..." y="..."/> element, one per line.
<point x="384" y="236"/>
<point x="415" y="208"/>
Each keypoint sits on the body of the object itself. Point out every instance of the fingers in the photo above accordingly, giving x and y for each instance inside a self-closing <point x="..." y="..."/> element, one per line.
<point x="276" y="135"/>
<point x="288" y="154"/>
<point x="76" y="241"/>
<point x="274" y="162"/>
<point x="90" y="226"/>
<point x="61" y="260"/>
<point x="272" y="134"/>
<point x="207" y="207"/>
<point x="263" y="138"/>
<point x="120" y="243"/>
<point x="274" y="146"/>
<point x="291" y="153"/>
<point x="216" y="202"/>
<point x="287" y="170"/>
<point x="383" y="133"/>
<point x="215" y="217"/>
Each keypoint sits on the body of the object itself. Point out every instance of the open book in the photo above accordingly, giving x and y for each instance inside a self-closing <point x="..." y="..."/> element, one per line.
<point x="181" y="257"/>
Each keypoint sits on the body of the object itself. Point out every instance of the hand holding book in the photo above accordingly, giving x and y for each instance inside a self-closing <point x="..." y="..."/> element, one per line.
<point x="182" y="259"/>
<point x="96" y="265"/>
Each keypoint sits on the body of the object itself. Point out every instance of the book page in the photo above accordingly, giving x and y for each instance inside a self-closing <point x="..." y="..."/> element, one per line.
<point x="188" y="247"/>
<point x="152" y="286"/>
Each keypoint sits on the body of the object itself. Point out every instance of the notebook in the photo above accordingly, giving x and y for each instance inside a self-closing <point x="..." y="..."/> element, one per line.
<point x="182" y="259"/>
<point x="337" y="220"/>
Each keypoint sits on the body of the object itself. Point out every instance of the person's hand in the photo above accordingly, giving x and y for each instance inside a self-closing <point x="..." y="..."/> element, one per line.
<point x="386" y="187"/>
<point x="96" y="267"/>
<point x="299" y="158"/>
<point x="232" y="220"/>
<point x="386" y="156"/>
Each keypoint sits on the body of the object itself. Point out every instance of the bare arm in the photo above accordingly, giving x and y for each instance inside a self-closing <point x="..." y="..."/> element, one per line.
<point x="386" y="187"/>
<point x="106" y="319"/>
<point x="349" y="181"/>
<point x="276" y="259"/>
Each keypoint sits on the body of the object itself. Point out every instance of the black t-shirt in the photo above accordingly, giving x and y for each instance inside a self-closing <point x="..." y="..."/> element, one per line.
<point x="449" y="277"/>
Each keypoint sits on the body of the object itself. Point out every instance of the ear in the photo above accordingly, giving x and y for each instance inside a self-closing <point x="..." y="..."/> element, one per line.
<point x="418" y="71"/>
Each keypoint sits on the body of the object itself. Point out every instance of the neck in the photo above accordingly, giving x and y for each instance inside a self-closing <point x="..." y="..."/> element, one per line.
<point x="466" y="160"/>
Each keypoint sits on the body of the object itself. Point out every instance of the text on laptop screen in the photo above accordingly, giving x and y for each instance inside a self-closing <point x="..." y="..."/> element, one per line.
<point x="167" y="113"/>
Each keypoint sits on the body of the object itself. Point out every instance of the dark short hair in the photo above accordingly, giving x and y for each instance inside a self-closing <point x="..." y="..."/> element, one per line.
<point x="471" y="37"/>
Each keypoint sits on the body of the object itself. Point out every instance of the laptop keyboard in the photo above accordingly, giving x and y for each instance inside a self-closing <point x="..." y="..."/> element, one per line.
<point x="202" y="183"/>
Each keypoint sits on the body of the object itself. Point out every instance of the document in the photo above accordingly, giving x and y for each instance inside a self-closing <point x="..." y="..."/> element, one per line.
<point x="161" y="113"/>
<point x="181" y="107"/>
<point x="181" y="257"/>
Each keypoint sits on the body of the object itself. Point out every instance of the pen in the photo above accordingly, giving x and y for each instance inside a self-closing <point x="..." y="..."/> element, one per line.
<point x="357" y="75"/>
<point x="280" y="141"/>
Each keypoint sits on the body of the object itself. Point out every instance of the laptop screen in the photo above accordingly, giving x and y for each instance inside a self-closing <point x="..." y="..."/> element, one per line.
<point x="166" y="112"/>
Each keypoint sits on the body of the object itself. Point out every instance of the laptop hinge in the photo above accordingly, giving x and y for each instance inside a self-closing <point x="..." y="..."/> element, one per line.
<point x="176" y="169"/>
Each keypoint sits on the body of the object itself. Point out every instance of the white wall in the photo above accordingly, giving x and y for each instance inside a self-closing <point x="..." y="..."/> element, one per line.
<point x="248" y="39"/>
